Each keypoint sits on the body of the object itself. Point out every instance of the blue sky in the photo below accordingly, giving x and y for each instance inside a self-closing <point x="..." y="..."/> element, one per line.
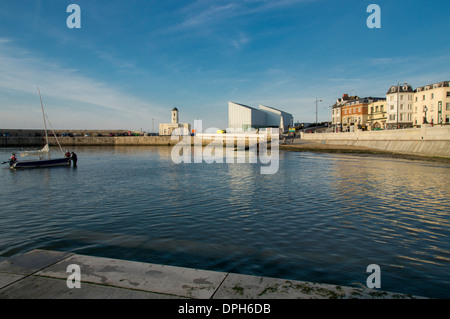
<point x="131" y="62"/>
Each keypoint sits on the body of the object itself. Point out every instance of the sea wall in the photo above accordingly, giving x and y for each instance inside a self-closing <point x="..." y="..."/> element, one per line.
<point x="17" y="141"/>
<point x="424" y="141"/>
<point x="24" y="138"/>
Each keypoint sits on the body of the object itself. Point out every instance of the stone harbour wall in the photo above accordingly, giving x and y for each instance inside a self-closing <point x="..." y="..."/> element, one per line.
<point x="424" y="141"/>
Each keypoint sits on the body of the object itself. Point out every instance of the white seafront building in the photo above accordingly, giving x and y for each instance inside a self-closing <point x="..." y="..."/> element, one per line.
<point x="399" y="100"/>
<point x="432" y="104"/>
<point x="245" y="117"/>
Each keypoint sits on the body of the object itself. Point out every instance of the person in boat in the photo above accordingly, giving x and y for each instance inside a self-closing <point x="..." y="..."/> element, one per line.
<point x="13" y="159"/>
<point x="74" y="159"/>
<point x="67" y="154"/>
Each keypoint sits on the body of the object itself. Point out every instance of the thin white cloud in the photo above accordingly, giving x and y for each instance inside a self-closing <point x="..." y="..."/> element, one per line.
<point x="239" y="42"/>
<point x="202" y="13"/>
<point x="22" y="72"/>
<point x="210" y="14"/>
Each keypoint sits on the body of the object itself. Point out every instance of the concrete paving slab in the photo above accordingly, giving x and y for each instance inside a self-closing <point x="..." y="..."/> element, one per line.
<point x="7" y="279"/>
<point x="237" y="286"/>
<point x="31" y="261"/>
<point x="169" y="280"/>
<point x="35" y="287"/>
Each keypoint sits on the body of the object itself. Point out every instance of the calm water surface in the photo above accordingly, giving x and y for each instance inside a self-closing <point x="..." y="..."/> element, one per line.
<point x="322" y="217"/>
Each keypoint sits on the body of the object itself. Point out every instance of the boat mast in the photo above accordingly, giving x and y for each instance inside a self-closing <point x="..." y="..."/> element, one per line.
<point x="45" y="123"/>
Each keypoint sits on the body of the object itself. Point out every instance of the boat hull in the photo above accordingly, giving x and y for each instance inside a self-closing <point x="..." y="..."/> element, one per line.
<point x="43" y="163"/>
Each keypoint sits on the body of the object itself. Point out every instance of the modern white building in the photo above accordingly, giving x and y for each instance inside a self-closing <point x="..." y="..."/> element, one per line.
<point x="277" y="118"/>
<point x="167" y="128"/>
<point x="244" y="117"/>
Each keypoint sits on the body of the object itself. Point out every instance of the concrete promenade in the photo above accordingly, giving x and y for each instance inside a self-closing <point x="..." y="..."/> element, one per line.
<point x="42" y="274"/>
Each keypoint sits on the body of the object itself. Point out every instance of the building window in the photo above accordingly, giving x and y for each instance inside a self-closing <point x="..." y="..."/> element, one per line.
<point x="448" y="94"/>
<point x="432" y="95"/>
<point x="416" y="98"/>
<point x="392" y="106"/>
<point x="447" y="119"/>
<point x="447" y="106"/>
<point x="423" y="97"/>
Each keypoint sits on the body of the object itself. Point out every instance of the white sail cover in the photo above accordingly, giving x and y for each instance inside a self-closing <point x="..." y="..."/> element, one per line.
<point x="44" y="151"/>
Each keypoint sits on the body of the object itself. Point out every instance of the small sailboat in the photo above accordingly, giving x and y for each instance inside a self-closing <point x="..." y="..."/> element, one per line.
<point x="43" y="154"/>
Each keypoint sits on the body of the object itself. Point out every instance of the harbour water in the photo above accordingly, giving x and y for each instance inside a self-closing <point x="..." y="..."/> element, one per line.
<point x="321" y="217"/>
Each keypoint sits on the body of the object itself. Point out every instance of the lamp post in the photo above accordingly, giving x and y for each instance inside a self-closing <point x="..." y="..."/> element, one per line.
<point x="425" y="109"/>
<point x="317" y="100"/>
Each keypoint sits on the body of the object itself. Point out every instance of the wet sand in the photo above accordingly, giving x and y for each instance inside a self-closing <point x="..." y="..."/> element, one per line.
<point x="310" y="146"/>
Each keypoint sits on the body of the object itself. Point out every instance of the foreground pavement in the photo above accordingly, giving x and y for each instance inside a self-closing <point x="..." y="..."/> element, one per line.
<point x="42" y="274"/>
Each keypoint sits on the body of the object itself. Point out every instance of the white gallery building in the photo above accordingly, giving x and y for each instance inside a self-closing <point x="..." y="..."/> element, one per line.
<point x="244" y="117"/>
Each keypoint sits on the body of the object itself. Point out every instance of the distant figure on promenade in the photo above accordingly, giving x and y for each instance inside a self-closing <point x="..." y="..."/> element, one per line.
<point x="74" y="159"/>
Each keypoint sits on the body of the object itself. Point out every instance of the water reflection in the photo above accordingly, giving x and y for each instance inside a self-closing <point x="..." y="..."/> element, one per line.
<point x="322" y="217"/>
